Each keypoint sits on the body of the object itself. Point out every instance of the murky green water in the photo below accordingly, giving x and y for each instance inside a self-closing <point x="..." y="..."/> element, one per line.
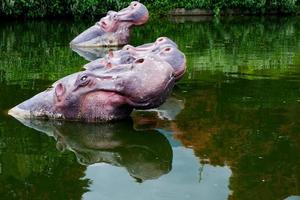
<point x="230" y="130"/>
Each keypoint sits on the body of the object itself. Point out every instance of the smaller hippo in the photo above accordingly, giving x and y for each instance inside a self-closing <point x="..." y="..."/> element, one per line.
<point x="163" y="47"/>
<point x="114" y="28"/>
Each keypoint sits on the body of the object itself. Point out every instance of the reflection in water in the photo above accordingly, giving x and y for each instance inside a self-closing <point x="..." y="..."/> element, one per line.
<point x="161" y="117"/>
<point x="236" y="113"/>
<point x="91" y="54"/>
<point x="145" y="155"/>
<point x="254" y="131"/>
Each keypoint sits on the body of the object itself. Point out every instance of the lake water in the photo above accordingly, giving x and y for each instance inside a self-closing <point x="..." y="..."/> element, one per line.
<point x="230" y="130"/>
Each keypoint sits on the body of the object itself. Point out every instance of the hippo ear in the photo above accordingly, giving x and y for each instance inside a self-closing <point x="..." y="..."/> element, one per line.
<point x="110" y="54"/>
<point x="59" y="91"/>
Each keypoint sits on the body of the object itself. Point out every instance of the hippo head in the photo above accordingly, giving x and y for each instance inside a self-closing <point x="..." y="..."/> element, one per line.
<point x="113" y="29"/>
<point x="136" y="13"/>
<point x="63" y="101"/>
<point x="145" y="82"/>
<point x="150" y="47"/>
<point x="163" y="47"/>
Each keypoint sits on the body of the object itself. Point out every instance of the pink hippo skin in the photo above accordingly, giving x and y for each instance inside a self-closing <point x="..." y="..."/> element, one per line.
<point x="102" y="95"/>
<point x="114" y="28"/>
<point x="163" y="47"/>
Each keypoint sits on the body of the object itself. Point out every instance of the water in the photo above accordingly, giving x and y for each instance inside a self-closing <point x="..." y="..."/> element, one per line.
<point x="230" y="130"/>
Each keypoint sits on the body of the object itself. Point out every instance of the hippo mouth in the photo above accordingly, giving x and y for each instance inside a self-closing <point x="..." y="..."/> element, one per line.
<point x="153" y="101"/>
<point x="40" y="106"/>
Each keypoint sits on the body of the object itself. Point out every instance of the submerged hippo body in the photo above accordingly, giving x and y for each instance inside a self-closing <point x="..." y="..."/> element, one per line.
<point x="114" y="28"/>
<point x="163" y="47"/>
<point x="102" y="95"/>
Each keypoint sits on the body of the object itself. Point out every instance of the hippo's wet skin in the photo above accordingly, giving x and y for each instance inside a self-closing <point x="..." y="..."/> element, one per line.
<point x="61" y="101"/>
<point x="163" y="47"/>
<point x="114" y="28"/>
<point x="102" y="95"/>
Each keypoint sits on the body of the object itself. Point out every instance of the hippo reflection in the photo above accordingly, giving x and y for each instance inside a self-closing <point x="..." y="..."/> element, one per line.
<point x="114" y="28"/>
<point x="103" y="96"/>
<point x="146" y="155"/>
<point x="91" y="54"/>
<point x="163" y="47"/>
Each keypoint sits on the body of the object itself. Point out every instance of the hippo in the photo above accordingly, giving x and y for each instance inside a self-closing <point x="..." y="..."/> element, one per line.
<point x="153" y="87"/>
<point x="145" y="155"/>
<point x="61" y="103"/>
<point x="102" y="96"/>
<point x="163" y="47"/>
<point x="114" y="28"/>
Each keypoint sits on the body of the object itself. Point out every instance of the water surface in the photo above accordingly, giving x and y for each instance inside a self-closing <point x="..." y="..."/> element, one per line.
<point x="230" y="130"/>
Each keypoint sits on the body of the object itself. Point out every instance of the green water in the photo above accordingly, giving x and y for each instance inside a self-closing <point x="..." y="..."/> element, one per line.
<point x="231" y="129"/>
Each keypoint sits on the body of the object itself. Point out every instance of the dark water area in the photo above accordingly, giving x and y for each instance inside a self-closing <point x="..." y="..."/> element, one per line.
<point x="230" y="130"/>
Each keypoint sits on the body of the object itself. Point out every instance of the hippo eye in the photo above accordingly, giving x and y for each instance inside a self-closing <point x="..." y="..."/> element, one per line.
<point x="129" y="60"/>
<point x="83" y="78"/>
<point x="135" y="4"/>
<point x="83" y="81"/>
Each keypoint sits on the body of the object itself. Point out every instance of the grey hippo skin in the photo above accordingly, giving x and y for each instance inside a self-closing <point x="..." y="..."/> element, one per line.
<point x="103" y="95"/>
<point x="114" y="28"/>
<point x="163" y="47"/>
<point x="144" y="154"/>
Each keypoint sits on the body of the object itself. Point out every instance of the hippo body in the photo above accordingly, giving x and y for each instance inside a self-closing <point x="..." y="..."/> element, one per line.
<point x="114" y="28"/>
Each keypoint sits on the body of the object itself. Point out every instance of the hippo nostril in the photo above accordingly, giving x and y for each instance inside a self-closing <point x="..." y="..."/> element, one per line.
<point x="168" y="49"/>
<point x="103" y="23"/>
<point x="135" y="4"/>
<point x="109" y="65"/>
<point x="139" y="61"/>
<point x="160" y="39"/>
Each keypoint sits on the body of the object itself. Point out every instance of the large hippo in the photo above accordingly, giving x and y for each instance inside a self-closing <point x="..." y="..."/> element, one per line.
<point x="163" y="47"/>
<point x="102" y="96"/>
<point x="114" y="28"/>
